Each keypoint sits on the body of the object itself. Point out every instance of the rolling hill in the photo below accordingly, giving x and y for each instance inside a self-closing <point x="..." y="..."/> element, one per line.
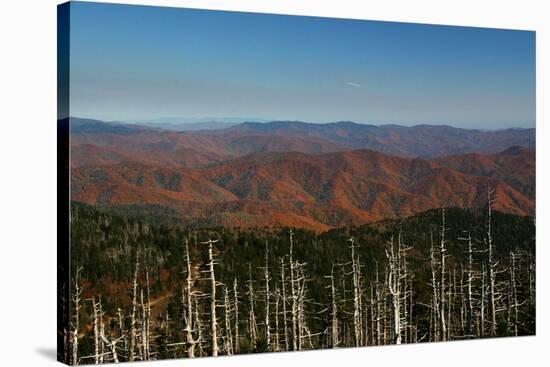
<point x="315" y="191"/>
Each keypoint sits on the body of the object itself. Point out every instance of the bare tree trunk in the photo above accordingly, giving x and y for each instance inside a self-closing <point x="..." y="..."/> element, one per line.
<point x="76" y="317"/>
<point x="403" y="273"/>
<point x="442" y="251"/>
<point x="95" y="326"/>
<point x="166" y="324"/>
<point x="236" y="310"/>
<point x="492" y="263"/>
<point x="293" y="297"/>
<point x="356" y="294"/>
<point x="252" y="327"/>
<point x="190" y="341"/>
<point x="514" y="293"/>
<point x="413" y="328"/>
<point x="267" y="279"/>
<point x="111" y="344"/>
<point x="147" y="318"/>
<point x="435" y="298"/>
<point x="134" y="310"/>
<point x="532" y="265"/>
<point x="450" y="295"/>
<point x="228" y="334"/>
<point x="199" y="327"/>
<point x="122" y="329"/>
<point x="143" y="327"/>
<point x="378" y="309"/>
<point x="334" y="313"/>
<point x="300" y="280"/>
<point x="469" y="287"/>
<point x="213" y="320"/>
<point x="482" y="303"/>
<point x="277" y="346"/>
<point x="394" y="287"/>
<point x="285" y="324"/>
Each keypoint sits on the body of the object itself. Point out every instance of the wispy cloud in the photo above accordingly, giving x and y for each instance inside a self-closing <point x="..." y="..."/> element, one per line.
<point x="352" y="84"/>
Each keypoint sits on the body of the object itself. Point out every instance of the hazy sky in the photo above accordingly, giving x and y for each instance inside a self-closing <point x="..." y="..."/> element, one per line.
<point x="136" y="62"/>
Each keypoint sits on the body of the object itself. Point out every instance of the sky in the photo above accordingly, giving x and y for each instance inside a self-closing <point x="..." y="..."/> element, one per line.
<point x="132" y="62"/>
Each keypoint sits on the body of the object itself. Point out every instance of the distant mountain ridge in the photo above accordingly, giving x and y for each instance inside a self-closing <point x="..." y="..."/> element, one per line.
<point x="194" y="124"/>
<point x="418" y="141"/>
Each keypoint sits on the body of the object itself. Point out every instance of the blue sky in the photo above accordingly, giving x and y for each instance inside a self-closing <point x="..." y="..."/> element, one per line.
<point x="137" y="62"/>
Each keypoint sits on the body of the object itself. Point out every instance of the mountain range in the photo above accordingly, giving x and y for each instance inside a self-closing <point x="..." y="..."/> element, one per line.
<point x="316" y="176"/>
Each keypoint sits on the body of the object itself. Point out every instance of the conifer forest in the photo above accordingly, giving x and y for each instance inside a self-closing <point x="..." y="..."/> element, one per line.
<point x="142" y="291"/>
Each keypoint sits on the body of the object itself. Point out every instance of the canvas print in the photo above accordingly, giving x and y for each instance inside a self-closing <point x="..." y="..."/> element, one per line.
<point x="234" y="183"/>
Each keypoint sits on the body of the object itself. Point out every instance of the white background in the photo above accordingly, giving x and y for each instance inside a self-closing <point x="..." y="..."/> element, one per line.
<point x="28" y="181"/>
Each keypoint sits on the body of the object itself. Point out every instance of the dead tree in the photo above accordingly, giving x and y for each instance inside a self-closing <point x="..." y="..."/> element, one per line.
<point x="491" y="264"/>
<point x="145" y="319"/>
<point x="213" y="321"/>
<point x="372" y="316"/>
<point x="483" y="300"/>
<point x="134" y="310"/>
<point x="188" y="316"/>
<point x="513" y="302"/>
<point x="406" y="280"/>
<point x="252" y="326"/>
<point x="334" y="339"/>
<point x="293" y="296"/>
<point x="111" y="342"/>
<point x="95" y="327"/>
<point x="443" y="256"/>
<point x="199" y="327"/>
<point x="300" y="312"/>
<point x="378" y="293"/>
<point x="435" y="315"/>
<point x="277" y="346"/>
<point x="266" y="290"/>
<point x="394" y="287"/>
<point x="122" y="330"/>
<point x="227" y="314"/>
<point x="531" y="275"/>
<point x="469" y="285"/>
<point x="283" y="295"/>
<point x="144" y="329"/>
<point x="451" y="294"/>
<point x="357" y="327"/>
<point x="76" y="317"/>
<point x="236" y="312"/>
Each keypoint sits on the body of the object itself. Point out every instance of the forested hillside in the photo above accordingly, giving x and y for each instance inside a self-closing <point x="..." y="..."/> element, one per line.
<point x="144" y="291"/>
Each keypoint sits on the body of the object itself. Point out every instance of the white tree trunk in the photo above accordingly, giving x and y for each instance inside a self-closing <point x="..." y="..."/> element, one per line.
<point x="76" y="318"/>
<point x="492" y="263"/>
<point x="356" y="294"/>
<point x="283" y="289"/>
<point x="236" y="310"/>
<point x="213" y="320"/>
<point x="134" y="310"/>
<point x="293" y="296"/>
<point x="267" y="279"/>
<point x="334" y="309"/>
<point x="442" y="252"/>
<point x="227" y="314"/>
<point x="191" y="342"/>
<point x="252" y="327"/>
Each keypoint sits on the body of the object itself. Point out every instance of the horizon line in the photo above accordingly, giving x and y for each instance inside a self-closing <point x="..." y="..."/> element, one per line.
<point x="199" y="120"/>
